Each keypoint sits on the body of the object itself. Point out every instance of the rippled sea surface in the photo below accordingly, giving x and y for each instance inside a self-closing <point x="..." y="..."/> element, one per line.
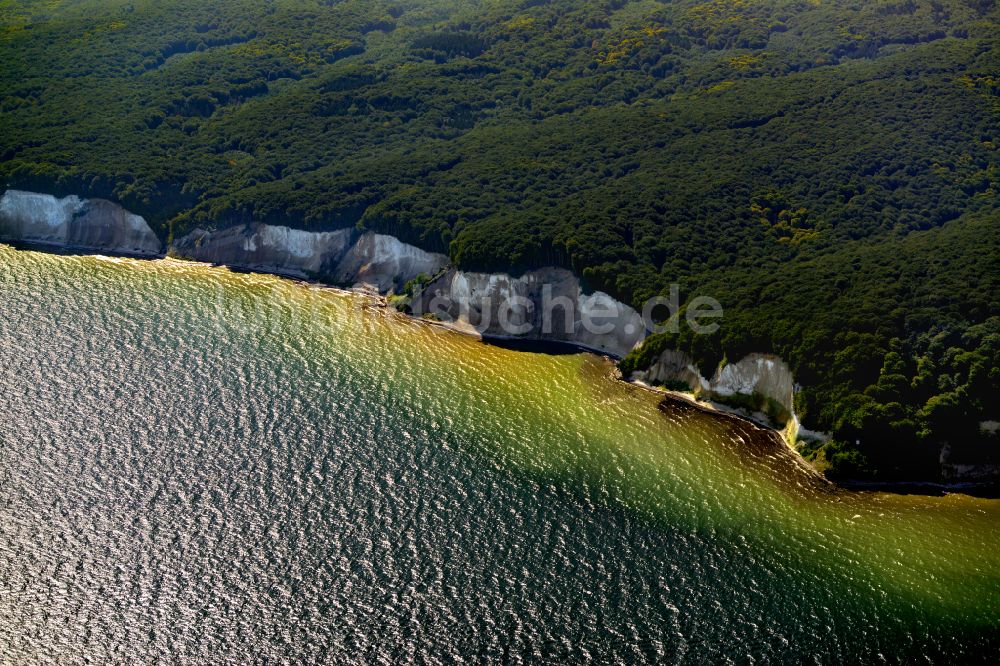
<point x="208" y="467"/>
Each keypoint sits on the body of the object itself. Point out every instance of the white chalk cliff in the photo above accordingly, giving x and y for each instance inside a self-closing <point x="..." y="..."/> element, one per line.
<point x="756" y="374"/>
<point x="386" y="263"/>
<point x="266" y="248"/>
<point x="371" y="260"/>
<point x="545" y="304"/>
<point x="89" y="224"/>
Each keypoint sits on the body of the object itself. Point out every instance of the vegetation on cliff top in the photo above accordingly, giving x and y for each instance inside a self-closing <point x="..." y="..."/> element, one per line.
<point x="827" y="170"/>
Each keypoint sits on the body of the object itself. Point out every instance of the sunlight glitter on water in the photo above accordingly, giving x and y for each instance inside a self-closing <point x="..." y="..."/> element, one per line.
<point x="224" y="467"/>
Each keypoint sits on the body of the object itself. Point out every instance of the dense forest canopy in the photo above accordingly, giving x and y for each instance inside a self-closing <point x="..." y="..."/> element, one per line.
<point x="827" y="169"/>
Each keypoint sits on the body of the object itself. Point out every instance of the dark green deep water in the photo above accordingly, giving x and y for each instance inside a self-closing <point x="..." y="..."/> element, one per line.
<point x="205" y="467"/>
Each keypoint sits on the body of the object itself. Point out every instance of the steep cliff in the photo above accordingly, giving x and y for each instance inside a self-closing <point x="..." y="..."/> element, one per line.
<point x="674" y="368"/>
<point x="72" y="222"/>
<point x="758" y="385"/>
<point x="343" y="257"/>
<point x="762" y="374"/>
<point x="545" y="304"/>
<point x="386" y="263"/>
<point x="268" y="249"/>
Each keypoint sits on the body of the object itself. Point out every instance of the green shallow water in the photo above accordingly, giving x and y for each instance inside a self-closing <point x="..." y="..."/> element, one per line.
<point x="226" y="468"/>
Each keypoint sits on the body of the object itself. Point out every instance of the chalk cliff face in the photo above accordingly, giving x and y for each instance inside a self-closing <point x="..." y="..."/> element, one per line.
<point x="267" y="248"/>
<point x="342" y="257"/>
<point x="386" y="263"/>
<point x="90" y="224"/>
<point x="756" y="374"/>
<point x="674" y="366"/>
<point x="546" y="304"/>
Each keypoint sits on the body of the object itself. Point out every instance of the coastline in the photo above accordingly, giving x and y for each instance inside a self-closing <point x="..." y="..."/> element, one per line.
<point x="989" y="489"/>
<point x="366" y="290"/>
<point x="688" y="399"/>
